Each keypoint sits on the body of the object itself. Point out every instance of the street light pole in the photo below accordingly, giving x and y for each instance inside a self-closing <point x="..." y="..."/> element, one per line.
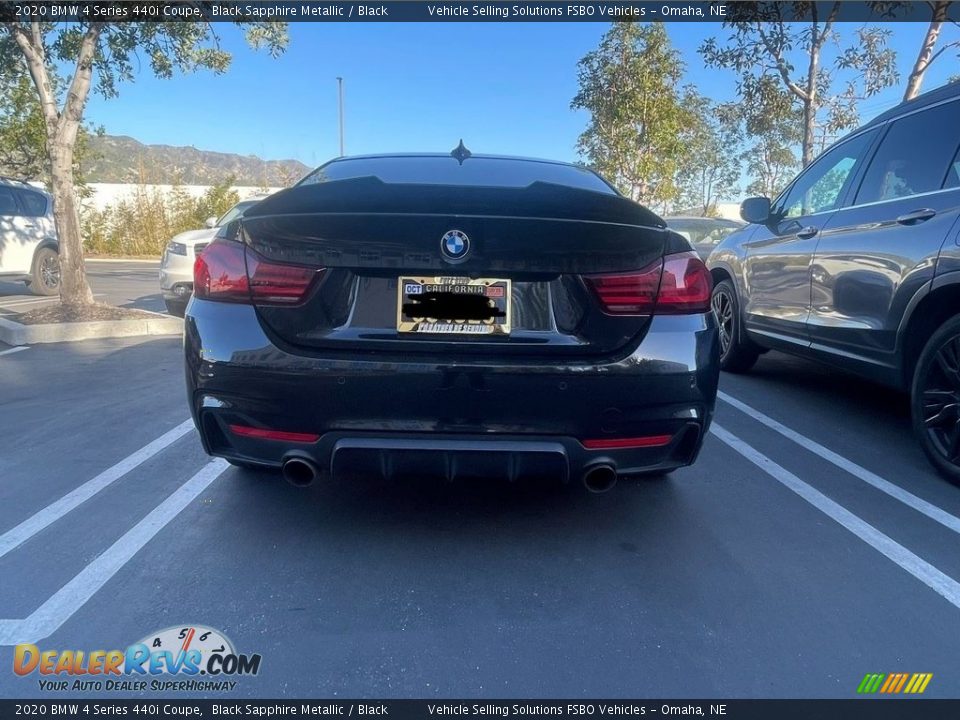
<point x="340" y="103"/>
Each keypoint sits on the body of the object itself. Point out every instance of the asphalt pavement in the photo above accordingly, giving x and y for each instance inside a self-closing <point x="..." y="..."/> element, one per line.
<point x="124" y="283"/>
<point x="809" y="545"/>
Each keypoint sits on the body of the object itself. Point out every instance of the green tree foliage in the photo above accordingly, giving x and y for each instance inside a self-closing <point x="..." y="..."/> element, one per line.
<point x="785" y="42"/>
<point x="102" y="56"/>
<point x="145" y="222"/>
<point x="771" y="165"/>
<point x="773" y="128"/>
<point x="214" y="202"/>
<point x="709" y="170"/>
<point x="630" y="87"/>
<point x="23" y="142"/>
<point x="23" y="145"/>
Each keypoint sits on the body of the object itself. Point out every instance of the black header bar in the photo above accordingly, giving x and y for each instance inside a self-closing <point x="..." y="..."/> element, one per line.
<point x="457" y="11"/>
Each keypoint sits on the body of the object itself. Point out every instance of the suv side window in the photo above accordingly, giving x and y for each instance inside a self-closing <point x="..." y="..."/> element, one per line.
<point x="8" y="201"/>
<point x="822" y="185"/>
<point x="914" y="156"/>
<point x="34" y="204"/>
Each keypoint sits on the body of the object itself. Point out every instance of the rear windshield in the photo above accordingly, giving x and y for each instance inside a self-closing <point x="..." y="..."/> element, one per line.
<point x="486" y="172"/>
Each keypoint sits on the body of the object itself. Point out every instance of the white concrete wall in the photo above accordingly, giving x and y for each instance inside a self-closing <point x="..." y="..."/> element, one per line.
<point x="729" y="211"/>
<point x="109" y="193"/>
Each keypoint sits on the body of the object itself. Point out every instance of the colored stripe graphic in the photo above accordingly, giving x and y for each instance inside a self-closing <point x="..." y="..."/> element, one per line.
<point x="894" y="683"/>
<point x="918" y="683"/>
<point x="870" y="683"/>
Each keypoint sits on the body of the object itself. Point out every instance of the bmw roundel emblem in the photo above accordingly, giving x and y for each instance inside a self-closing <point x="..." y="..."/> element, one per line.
<point x="455" y="245"/>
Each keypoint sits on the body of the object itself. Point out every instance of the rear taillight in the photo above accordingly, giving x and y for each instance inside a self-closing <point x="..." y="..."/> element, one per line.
<point x="629" y="293"/>
<point x="674" y="285"/>
<point x="231" y="272"/>
<point x="685" y="285"/>
<point x="220" y="273"/>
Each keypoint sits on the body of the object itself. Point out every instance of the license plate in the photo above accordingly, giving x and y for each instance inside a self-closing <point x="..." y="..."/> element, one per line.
<point x="453" y="306"/>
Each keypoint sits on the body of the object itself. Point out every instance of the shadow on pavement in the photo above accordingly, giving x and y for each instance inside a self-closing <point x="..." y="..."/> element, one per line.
<point x="13" y="288"/>
<point x="153" y="303"/>
<point x="784" y="373"/>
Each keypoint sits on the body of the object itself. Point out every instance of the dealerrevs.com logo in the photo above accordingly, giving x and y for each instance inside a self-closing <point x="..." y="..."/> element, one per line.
<point x="186" y="657"/>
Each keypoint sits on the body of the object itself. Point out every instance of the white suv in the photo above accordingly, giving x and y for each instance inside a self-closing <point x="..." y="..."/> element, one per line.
<point x="28" y="237"/>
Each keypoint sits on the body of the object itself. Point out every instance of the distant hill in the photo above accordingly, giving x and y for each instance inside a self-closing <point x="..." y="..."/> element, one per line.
<point x="121" y="159"/>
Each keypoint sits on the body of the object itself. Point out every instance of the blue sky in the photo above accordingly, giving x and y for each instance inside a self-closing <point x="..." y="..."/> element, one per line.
<point x="502" y="87"/>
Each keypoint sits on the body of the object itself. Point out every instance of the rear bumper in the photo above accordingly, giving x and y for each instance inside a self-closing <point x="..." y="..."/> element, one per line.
<point x="176" y="276"/>
<point x="444" y="417"/>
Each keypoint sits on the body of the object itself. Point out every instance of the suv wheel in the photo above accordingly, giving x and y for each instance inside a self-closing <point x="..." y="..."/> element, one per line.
<point x="736" y="355"/>
<point x="45" y="274"/>
<point x="935" y="399"/>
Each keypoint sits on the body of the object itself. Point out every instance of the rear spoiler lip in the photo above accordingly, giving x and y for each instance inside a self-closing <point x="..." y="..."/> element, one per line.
<point x="252" y="221"/>
<point x="539" y="200"/>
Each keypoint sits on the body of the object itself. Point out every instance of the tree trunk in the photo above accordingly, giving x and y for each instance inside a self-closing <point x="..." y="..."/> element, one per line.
<point x="810" y="108"/>
<point x="61" y="130"/>
<point x="915" y="80"/>
<point x="74" y="289"/>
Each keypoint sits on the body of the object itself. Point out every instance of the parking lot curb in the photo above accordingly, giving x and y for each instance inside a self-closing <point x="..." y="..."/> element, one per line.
<point x="14" y="333"/>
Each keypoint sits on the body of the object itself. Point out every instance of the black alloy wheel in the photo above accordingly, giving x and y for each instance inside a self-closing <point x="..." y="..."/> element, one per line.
<point x="45" y="275"/>
<point x="722" y="305"/>
<point x="736" y="353"/>
<point x="935" y="399"/>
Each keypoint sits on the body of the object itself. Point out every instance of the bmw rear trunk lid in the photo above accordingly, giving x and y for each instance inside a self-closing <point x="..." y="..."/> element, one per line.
<point x="376" y="259"/>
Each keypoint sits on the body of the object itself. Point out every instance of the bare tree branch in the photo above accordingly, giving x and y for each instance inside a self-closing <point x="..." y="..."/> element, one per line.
<point x="80" y="86"/>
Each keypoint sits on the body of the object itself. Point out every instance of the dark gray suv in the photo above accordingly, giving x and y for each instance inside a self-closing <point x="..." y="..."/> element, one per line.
<point x="857" y="263"/>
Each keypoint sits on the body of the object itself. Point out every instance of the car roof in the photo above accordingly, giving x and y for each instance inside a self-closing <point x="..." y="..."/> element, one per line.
<point x="14" y="182"/>
<point x="932" y="97"/>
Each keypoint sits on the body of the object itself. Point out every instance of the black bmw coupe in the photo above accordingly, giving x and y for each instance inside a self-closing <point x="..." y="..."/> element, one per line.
<point x="452" y="316"/>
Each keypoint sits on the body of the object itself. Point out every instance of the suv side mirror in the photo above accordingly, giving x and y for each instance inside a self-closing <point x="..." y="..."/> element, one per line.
<point x="211" y="222"/>
<point x="755" y="210"/>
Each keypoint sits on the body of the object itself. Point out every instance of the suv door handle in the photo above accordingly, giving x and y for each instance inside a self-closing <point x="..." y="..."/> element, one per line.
<point x="917" y="216"/>
<point x="807" y="232"/>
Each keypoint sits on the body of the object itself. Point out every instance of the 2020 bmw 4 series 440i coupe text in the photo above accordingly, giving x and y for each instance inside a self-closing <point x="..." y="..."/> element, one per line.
<point x="452" y="316"/>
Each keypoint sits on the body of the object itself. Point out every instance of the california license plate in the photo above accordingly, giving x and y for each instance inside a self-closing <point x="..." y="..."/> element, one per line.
<point x="453" y="306"/>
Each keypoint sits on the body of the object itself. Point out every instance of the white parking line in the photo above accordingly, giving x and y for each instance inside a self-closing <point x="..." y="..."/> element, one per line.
<point x="46" y="619"/>
<point x="132" y="261"/>
<point x="895" y="491"/>
<point x="56" y="510"/>
<point x="14" y="350"/>
<point x="20" y="301"/>
<point x="913" y="564"/>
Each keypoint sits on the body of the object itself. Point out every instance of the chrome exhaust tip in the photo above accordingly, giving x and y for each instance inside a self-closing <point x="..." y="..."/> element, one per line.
<point x="299" y="471"/>
<point x="600" y="478"/>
